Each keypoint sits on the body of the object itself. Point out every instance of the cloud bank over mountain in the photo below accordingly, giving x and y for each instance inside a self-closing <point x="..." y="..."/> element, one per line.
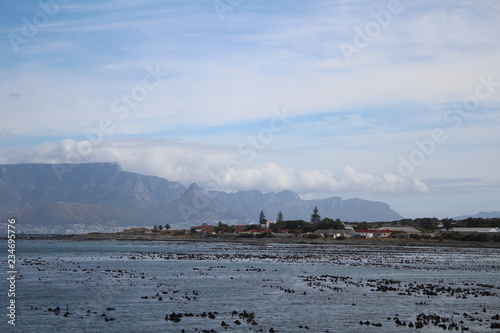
<point x="103" y="195"/>
<point x="215" y="167"/>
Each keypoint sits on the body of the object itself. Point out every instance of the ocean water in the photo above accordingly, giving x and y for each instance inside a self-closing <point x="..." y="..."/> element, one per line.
<point x="127" y="286"/>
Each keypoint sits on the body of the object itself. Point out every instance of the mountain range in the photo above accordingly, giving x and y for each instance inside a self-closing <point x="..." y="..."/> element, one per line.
<point x="484" y="215"/>
<point x="102" y="194"/>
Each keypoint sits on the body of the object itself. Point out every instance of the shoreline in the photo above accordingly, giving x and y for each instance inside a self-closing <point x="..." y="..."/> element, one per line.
<point x="291" y="240"/>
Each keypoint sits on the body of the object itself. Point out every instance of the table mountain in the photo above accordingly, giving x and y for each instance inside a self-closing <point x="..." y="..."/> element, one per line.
<point x="102" y="193"/>
<point x="103" y="184"/>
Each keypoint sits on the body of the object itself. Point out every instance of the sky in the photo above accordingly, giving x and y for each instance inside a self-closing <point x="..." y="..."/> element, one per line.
<point x="393" y="101"/>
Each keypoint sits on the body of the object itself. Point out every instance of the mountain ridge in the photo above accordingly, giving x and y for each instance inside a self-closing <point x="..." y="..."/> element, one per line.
<point x="250" y="203"/>
<point x="484" y="215"/>
<point x="102" y="193"/>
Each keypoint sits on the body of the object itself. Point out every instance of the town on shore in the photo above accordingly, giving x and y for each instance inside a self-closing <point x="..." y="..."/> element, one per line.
<point x="426" y="229"/>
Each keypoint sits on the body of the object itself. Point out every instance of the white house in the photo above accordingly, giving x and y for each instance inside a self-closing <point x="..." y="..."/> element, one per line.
<point x="334" y="233"/>
<point x="409" y="230"/>
<point x="475" y="230"/>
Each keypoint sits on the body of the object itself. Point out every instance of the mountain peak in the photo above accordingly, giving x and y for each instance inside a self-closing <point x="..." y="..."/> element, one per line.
<point x="288" y="195"/>
<point x="194" y="188"/>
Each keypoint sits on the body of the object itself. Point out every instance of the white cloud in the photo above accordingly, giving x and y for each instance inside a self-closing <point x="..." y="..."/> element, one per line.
<point x="226" y="76"/>
<point x="214" y="167"/>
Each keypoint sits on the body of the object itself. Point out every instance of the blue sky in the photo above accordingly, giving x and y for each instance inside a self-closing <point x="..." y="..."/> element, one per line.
<point x="346" y="98"/>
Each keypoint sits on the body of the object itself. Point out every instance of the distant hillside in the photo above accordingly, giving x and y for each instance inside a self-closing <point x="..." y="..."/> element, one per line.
<point x="61" y="213"/>
<point x="484" y="215"/>
<point x="103" y="194"/>
<point x="250" y="203"/>
<point x="104" y="184"/>
<point x="195" y="207"/>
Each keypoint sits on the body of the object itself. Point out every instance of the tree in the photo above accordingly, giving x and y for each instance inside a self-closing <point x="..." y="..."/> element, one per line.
<point x="167" y="226"/>
<point x="262" y="217"/>
<point x="276" y="227"/>
<point x="315" y="217"/>
<point x="223" y="228"/>
<point x="279" y="218"/>
<point x="447" y="223"/>
<point x="160" y="227"/>
<point x="252" y="227"/>
<point x="427" y="224"/>
<point x="295" y="225"/>
<point x="363" y="226"/>
<point x="328" y="223"/>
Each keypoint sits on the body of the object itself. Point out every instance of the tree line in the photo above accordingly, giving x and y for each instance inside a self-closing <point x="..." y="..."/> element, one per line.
<point x="296" y="226"/>
<point x="430" y="224"/>
<point x="159" y="227"/>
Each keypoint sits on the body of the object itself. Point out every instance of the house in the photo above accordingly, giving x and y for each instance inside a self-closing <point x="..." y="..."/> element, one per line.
<point x="365" y="233"/>
<point x="333" y="233"/>
<point x="400" y="234"/>
<point x="475" y="230"/>
<point x="409" y="230"/>
<point x="204" y="228"/>
<point x="383" y="233"/>
<point x="322" y="232"/>
<point x="238" y="227"/>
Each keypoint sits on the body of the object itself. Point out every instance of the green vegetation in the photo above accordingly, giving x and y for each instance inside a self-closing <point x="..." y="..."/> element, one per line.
<point x="328" y="223"/>
<point x="479" y="237"/>
<point x="223" y="228"/>
<point x="252" y="227"/>
<point x="427" y="224"/>
<point x="432" y="228"/>
<point x="430" y="224"/>
<point x="265" y="234"/>
<point x="479" y="223"/>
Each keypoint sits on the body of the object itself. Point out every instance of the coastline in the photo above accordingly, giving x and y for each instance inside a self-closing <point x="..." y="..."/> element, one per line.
<point x="291" y="240"/>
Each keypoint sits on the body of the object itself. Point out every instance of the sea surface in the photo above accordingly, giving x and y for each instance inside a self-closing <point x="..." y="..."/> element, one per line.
<point x="132" y="286"/>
